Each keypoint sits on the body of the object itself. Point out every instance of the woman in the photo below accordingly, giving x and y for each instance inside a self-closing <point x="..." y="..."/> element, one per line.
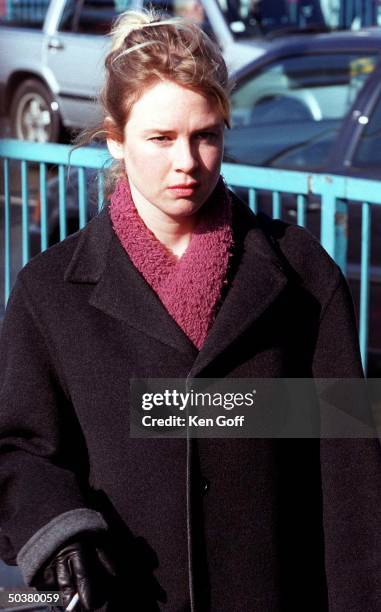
<point x="177" y="278"/>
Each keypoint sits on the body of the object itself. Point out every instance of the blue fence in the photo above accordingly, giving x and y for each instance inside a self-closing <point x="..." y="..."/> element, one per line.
<point x="21" y="160"/>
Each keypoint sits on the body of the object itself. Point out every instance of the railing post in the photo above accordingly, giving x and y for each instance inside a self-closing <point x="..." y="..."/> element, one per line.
<point x="101" y="189"/>
<point x="253" y="199"/>
<point x="364" y="283"/>
<point x="277" y="209"/>
<point x="327" y="229"/>
<point x="43" y="208"/>
<point x="82" y="193"/>
<point x="7" y="232"/>
<point x="62" y="200"/>
<point x="301" y="210"/>
<point x="25" y="212"/>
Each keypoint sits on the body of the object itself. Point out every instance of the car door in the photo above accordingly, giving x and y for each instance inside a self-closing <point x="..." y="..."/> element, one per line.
<point x="75" y="54"/>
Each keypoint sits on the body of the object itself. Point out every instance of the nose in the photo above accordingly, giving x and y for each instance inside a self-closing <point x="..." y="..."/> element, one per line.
<point x="185" y="156"/>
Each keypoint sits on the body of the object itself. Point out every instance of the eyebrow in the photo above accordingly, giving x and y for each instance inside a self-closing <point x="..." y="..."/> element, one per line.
<point x="205" y="128"/>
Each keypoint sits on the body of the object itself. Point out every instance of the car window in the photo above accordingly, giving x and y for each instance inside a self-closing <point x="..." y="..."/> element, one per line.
<point x="288" y="114"/>
<point x="23" y="13"/>
<point x="189" y="9"/>
<point x="261" y="17"/>
<point x="368" y="152"/>
<point x="91" y="16"/>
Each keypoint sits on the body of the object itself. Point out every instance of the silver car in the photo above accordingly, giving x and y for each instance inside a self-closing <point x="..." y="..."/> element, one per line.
<point x="52" y="58"/>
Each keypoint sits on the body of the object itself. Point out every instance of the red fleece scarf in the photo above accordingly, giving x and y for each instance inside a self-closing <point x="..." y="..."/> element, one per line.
<point x="190" y="287"/>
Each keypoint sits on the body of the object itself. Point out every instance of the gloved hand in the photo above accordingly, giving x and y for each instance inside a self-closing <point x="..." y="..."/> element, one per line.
<point x="83" y="565"/>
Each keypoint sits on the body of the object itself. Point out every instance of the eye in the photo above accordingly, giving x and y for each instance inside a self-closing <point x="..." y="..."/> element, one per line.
<point x="208" y="136"/>
<point x="160" y="139"/>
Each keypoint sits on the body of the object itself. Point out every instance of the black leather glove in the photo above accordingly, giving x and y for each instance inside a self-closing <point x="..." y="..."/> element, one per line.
<point x="83" y="565"/>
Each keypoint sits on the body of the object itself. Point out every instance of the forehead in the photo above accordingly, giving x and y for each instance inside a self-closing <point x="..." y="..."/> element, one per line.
<point x="168" y="106"/>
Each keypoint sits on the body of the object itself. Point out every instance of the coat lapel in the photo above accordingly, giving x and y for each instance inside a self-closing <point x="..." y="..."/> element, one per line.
<point x="258" y="281"/>
<point x="120" y="291"/>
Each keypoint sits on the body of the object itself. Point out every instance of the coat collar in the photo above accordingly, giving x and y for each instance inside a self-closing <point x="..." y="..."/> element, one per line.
<point x="100" y="259"/>
<point x="121" y="292"/>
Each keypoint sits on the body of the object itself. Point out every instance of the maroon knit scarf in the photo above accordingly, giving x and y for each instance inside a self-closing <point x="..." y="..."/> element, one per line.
<point x="190" y="287"/>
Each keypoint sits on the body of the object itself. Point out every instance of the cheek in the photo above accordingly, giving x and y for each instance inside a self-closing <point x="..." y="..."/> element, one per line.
<point x="217" y="160"/>
<point x="144" y="162"/>
<point x="213" y="158"/>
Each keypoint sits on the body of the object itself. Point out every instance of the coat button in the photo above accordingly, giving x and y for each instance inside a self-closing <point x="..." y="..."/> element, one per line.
<point x="205" y="485"/>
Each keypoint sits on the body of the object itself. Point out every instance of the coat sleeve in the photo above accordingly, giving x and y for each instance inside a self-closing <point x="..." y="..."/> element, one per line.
<point x="43" y="459"/>
<point x="351" y="475"/>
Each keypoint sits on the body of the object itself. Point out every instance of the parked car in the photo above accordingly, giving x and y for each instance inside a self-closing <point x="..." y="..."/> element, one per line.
<point x="52" y="59"/>
<point x="314" y="104"/>
<point x="311" y="103"/>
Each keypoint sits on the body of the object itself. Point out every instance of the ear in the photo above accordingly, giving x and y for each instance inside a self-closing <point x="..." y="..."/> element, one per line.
<point x="114" y="141"/>
<point x="115" y="147"/>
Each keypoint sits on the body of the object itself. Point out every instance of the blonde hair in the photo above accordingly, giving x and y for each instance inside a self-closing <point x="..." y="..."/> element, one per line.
<point x="148" y="47"/>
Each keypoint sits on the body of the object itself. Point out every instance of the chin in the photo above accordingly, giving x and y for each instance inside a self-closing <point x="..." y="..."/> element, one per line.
<point x="182" y="209"/>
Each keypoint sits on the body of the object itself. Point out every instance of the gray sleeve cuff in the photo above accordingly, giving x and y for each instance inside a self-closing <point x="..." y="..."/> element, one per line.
<point x="47" y="539"/>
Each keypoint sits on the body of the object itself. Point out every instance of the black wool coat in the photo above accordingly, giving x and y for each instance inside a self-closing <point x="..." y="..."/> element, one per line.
<point x="271" y="525"/>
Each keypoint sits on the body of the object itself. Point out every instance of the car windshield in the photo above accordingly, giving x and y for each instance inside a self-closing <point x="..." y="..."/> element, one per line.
<point x="248" y="18"/>
<point x="261" y="17"/>
<point x="288" y="114"/>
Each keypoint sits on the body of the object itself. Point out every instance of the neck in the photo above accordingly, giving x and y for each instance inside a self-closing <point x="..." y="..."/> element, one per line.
<point x="174" y="234"/>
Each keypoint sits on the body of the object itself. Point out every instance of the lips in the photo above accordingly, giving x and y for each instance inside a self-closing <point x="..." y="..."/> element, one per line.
<point x="184" y="190"/>
<point x="184" y="186"/>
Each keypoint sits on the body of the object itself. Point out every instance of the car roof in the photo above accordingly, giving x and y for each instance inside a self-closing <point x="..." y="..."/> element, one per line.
<point x="367" y="40"/>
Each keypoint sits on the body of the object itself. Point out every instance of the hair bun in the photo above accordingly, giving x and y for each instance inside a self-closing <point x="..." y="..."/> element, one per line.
<point x="132" y="20"/>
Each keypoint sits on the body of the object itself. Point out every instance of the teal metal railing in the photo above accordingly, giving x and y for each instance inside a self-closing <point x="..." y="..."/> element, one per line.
<point x="332" y="192"/>
<point x="37" y="158"/>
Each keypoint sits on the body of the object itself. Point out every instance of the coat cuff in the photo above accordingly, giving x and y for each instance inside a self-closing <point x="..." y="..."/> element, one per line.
<point x="46" y="540"/>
